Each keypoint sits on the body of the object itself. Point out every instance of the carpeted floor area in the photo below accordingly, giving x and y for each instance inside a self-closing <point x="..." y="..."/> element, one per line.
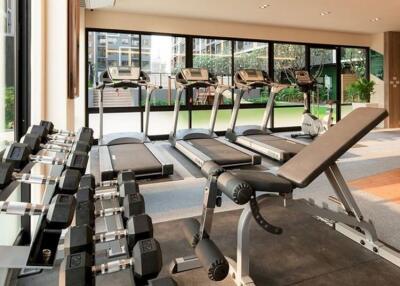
<point x="308" y="253"/>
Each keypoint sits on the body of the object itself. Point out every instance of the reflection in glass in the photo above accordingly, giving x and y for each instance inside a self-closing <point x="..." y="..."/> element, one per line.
<point x="7" y="73"/>
<point x="162" y="58"/>
<point x="111" y="49"/>
<point x="323" y="70"/>
<point x="252" y="55"/>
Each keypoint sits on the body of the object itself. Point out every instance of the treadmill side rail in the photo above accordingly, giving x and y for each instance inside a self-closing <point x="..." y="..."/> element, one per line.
<point x="167" y="167"/>
<point x="196" y="156"/>
<point x="105" y="164"/>
<point x="255" y="158"/>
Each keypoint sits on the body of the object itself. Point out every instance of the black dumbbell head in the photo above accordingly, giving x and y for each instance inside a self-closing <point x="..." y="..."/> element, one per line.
<point x="33" y="141"/>
<point x="77" y="161"/>
<point x="85" y="134"/>
<point x="148" y="259"/>
<point x="89" y="181"/>
<point x="41" y="131"/>
<point x="6" y="170"/>
<point x="18" y="155"/>
<point x="125" y="176"/>
<point x="69" y="181"/>
<point x="85" y="194"/>
<point x="139" y="227"/>
<point x="84" y="213"/>
<point x="127" y="188"/>
<point x="61" y="211"/>
<point x="133" y="205"/>
<point x="79" y="239"/>
<point x="48" y="125"/>
<point x="80" y="146"/>
<point x="76" y="270"/>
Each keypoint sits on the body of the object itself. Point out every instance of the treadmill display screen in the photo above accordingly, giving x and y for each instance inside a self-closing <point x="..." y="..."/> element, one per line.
<point x="195" y="74"/>
<point x="124" y="73"/>
<point x="252" y="75"/>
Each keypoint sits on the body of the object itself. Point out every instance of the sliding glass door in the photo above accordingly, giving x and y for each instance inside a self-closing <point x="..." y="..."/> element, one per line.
<point x="323" y="67"/>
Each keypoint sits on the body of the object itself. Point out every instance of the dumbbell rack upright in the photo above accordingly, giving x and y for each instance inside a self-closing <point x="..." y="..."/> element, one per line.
<point x="37" y="251"/>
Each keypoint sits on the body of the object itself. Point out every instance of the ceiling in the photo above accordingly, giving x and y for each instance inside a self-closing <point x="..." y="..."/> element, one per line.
<point x="345" y="15"/>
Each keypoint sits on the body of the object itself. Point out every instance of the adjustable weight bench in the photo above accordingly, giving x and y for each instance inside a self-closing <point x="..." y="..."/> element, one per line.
<point x="254" y="187"/>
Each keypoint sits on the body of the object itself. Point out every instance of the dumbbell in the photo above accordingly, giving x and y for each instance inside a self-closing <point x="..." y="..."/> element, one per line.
<point x="133" y="205"/>
<point x="52" y="131"/>
<point x="86" y="197"/>
<point x="124" y="185"/>
<point x="20" y="154"/>
<point x="35" y="143"/>
<point x="59" y="213"/>
<point x="67" y="183"/>
<point x="84" y="134"/>
<point x="145" y="264"/>
<point x="82" y="238"/>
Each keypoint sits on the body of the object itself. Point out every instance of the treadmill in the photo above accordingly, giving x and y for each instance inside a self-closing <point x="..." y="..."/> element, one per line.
<point x="133" y="150"/>
<point x="258" y="137"/>
<point x="203" y="145"/>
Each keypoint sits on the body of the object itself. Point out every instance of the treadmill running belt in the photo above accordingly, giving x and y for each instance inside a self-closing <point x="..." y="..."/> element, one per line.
<point x="288" y="146"/>
<point x="135" y="157"/>
<point x="220" y="153"/>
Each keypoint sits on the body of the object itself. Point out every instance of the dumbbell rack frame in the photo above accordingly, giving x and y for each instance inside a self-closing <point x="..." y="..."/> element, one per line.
<point x="30" y="256"/>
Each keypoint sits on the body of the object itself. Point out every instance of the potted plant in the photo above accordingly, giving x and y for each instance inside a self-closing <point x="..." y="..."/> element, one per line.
<point x="360" y="91"/>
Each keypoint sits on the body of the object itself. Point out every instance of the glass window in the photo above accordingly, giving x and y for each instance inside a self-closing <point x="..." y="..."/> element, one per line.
<point x="161" y="122"/>
<point x="376" y="64"/>
<point x="252" y="55"/>
<point x="287" y="59"/>
<point x="201" y="119"/>
<point x="353" y="77"/>
<point x="110" y="49"/>
<point x="7" y="74"/>
<point x="288" y="116"/>
<point x="251" y="116"/>
<point x="216" y="60"/>
<point x="216" y="56"/>
<point x="161" y="60"/>
<point x="115" y="122"/>
<point x="324" y="69"/>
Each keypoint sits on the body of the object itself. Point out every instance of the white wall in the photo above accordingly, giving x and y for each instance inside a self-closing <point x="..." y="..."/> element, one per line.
<point x="38" y="60"/>
<point x="49" y="50"/>
<point x="129" y="21"/>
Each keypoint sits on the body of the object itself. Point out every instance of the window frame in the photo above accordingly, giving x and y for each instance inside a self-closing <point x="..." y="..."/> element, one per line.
<point x="189" y="63"/>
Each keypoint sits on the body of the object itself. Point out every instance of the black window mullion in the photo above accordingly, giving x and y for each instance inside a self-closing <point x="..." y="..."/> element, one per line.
<point x="271" y="72"/>
<point x="140" y="89"/>
<point x="22" y="68"/>
<point x="189" y="92"/>
<point x="338" y="83"/>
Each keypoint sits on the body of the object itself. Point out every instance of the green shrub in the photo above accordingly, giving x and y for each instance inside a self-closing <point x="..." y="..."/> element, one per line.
<point x="361" y="90"/>
<point x="10" y="107"/>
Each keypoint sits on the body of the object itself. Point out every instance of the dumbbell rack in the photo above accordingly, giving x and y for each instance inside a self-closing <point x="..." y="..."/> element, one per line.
<point x="31" y="256"/>
<point x="112" y="250"/>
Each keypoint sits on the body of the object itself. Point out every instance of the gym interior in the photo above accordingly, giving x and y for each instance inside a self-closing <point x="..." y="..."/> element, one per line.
<point x="200" y="142"/>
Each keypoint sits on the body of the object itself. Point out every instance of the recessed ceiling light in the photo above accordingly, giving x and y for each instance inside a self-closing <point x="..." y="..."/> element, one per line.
<point x="376" y="19"/>
<point x="264" y="6"/>
<point x="325" y="13"/>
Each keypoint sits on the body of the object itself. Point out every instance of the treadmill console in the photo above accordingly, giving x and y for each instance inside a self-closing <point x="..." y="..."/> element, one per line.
<point x="252" y="75"/>
<point x="303" y="78"/>
<point x="195" y="74"/>
<point x="124" y="73"/>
